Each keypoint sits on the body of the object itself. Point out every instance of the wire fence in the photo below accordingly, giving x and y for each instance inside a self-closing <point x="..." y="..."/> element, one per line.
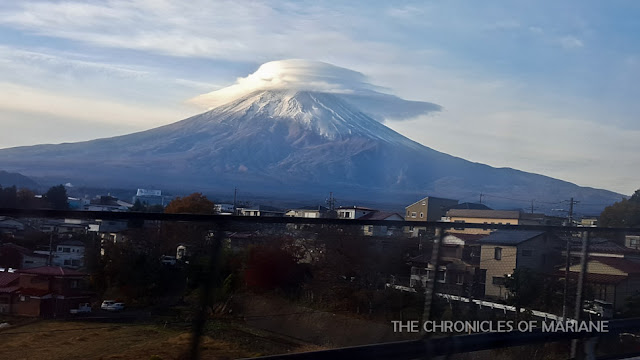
<point x="333" y="283"/>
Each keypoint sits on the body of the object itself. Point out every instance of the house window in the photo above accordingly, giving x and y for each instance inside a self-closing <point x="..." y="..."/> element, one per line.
<point x="497" y="253"/>
<point x="413" y="214"/>
<point x="442" y="276"/>
<point x="459" y="279"/>
<point x="497" y="280"/>
<point x="459" y="222"/>
<point x="74" y="284"/>
<point x="66" y="249"/>
<point x="527" y="253"/>
<point x="59" y="248"/>
<point x="421" y="215"/>
<point x="67" y="262"/>
<point x="408" y="213"/>
<point x="370" y="228"/>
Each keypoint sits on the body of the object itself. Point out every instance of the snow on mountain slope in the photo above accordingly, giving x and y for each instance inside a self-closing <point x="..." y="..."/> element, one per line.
<point x="285" y="130"/>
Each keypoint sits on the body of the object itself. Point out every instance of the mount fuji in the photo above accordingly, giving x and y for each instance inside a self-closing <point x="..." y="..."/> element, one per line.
<point x="293" y="129"/>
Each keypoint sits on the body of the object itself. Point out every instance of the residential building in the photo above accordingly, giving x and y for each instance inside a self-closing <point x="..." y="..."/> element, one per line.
<point x="354" y="212"/>
<point x="381" y="230"/>
<point x="223" y="209"/>
<point x="64" y="228"/>
<point x="613" y="270"/>
<point x="12" y="228"/>
<point x="107" y="203"/>
<point x="426" y="209"/>
<point x="589" y="221"/>
<point x="260" y="210"/>
<point x="429" y="209"/>
<point x="612" y="279"/>
<point x="70" y="254"/>
<point x="311" y="212"/>
<point x="632" y="241"/>
<point x="491" y="217"/>
<point x="19" y="257"/>
<point x="151" y="197"/>
<point x="8" y="288"/>
<point x="47" y="291"/>
<point x="459" y="272"/>
<point x="503" y="251"/>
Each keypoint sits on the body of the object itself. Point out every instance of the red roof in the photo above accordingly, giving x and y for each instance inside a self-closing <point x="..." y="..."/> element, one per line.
<point x="34" y="292"/>
<point x="52" y="271"/>
<point x="624" y="265"/>
<point x="7" y="278"/>
<point x="8" y="289"/>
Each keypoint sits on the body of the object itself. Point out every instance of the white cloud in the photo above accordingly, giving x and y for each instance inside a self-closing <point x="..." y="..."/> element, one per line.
<point x="487" y="118"/>
<point x="570" y="42"/>
<point x="220" y="29"/>
<point x="294" y="74"/>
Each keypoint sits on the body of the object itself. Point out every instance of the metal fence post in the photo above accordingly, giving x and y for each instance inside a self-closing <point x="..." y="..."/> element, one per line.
<point x="581" y="284"/>
<point x="214" y="244"/>
<point x="430" y="288"/>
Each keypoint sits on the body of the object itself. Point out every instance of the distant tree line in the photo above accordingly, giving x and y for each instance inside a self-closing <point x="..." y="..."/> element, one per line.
<point x="624" y="213"/>
<point x="55" y="198"/>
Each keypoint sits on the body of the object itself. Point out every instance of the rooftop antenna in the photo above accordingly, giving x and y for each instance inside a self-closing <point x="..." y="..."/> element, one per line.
<point x="331" y="201"/>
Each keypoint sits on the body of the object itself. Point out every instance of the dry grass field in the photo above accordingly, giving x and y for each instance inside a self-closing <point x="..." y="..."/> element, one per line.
<point x="52" y="340"/>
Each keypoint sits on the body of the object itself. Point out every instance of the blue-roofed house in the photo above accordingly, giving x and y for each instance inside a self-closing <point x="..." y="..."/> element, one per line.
<point x="505" y="250"/>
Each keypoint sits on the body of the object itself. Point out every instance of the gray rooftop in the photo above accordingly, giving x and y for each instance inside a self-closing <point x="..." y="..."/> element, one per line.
<point x="510" y="237"/>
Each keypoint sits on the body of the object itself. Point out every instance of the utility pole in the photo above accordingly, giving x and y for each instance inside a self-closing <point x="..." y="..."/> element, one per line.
<point x="567" y="261"/>
<point x="581" y="285"/>
<point x="532" y="206"/>
<point x="235" y="196"/>
<point x="481" y="198"/>
<point x="50" y="260"/>
<point x="571" y="203"/>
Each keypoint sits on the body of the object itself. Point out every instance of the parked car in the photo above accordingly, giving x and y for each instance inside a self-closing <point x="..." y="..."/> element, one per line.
<point x="168" y="260"/>
<point x="82" y="309"/>
<point x="599" y="308"/>
<point x="106" y="304"/>
<point x="119" y="306"/>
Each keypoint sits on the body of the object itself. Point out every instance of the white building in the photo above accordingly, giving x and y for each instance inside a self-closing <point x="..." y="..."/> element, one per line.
<point x="354" y="212"/>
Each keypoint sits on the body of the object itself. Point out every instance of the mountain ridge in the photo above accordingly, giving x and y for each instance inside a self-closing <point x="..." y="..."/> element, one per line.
<point x="284" y="140"/>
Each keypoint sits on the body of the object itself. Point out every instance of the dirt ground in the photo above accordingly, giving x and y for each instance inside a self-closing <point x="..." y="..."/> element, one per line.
<point x="52" y="340"/>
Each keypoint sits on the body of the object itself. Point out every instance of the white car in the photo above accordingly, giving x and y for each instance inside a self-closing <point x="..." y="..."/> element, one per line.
<point x="82" y="309"/>
<point x="116" y="307"/>
<point x="106" y="304"/>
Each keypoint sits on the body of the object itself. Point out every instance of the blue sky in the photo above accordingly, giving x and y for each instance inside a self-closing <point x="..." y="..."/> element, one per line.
<point x="545" y="86"/>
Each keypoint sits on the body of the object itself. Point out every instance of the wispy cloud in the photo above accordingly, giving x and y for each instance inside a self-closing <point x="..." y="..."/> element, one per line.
<point x="570" y="42"/>
<point x="440" y="52"/>
<point x="220" y="30"/>
<point x="19" y="98"/>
